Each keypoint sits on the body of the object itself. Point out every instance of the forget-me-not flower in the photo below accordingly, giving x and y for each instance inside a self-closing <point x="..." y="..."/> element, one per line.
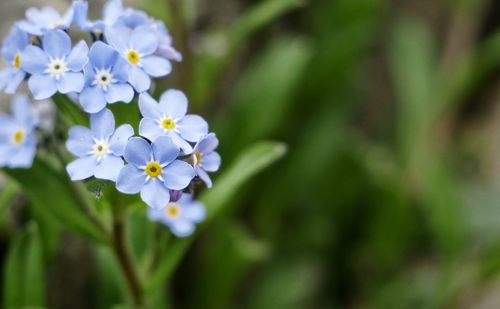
<point x="13" y="46"/>
<point x="153" y="170"/>
<point x="56" y="67"/>
<point x="105" y="79"/>
<point x="168" y="118"/>
<point x="99" y="149"/>
<point x="39" y="21"/>
<point x="138" y="48"/>
<point x="180" y="216"/>
<point x="17" y="136"/>
<point x="205" y="159"/>
<point x="165" y="48"/>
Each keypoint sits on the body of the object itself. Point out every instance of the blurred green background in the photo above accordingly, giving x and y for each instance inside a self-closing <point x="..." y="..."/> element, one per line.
<point x="389" y="193"/>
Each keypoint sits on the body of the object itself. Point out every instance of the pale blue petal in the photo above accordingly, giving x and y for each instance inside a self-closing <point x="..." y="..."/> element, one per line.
<point x="155" y="194"/>
<point x="15" y="81"/>
<point x="156" y="66"/>
<point x="173" y="103"/>
<point x="109" y="168"/>
<point x="144" y="40"/>
<point x="34" y="60"/>
<point x="149" y="107"/>
<point x="138" y="151"/>
<point x="113" y="9"/>
<point x="139" y="79"/>
<point x="203" y="176"/>
<point x="194" y="212"/>
<point x="120" y="70"/>
<point x="22" y="157"/>
<point x="208" y="143"/>
<point x="119" y="93"/>
<point x="78" y="57"/>
<point x="102" y="124"/>
<point x="89" y="74"/>
<point x="102" y="55"/>
<point x="92" y="99"/>
<point x="81" y="168"/>
<point x="130" y="180"/>
<point x="164" y="150"/>
<point x="179" y="141"/>
<point x="182" y="228"/>
<point x="150" y="129"/>
<point x="56" y="43"/>
<point x="80" y="141"/>
<point x="117" y="37"/>
<point x="119" y="139"/>
<point x="210" y="162"/>
<point x="71" y="82"/>
<point x="22" y="111"/>
<point x="178" y="175"/>
<point x="192" y="128"/>
<point x="42" y="86"/>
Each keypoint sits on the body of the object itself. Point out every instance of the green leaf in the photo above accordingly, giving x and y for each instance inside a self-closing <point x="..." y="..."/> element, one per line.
<point x="251" y="162"/>
<point x="50" y="190"/>
<point x="24" y="279"/>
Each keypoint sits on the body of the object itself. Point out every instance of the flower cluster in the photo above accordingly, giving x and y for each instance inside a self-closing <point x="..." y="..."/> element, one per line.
<point x="126" y="49"/>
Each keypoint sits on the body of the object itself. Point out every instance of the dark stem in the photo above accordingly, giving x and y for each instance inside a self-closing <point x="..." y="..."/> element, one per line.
<point x="125" y="261"/>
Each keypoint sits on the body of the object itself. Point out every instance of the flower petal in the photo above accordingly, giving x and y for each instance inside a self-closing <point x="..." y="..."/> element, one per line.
<point x="179" y="141"/>
<point x="164" y="150"/>
<point x="130" y="180"/>
<point x="80" y="141"/>
<point x="78" y="57"/>
<point x="22" y="111"/>
<point x="138" y="151"/>
<point x="155" y="194"/>
<point x="149" y="129"/>
<point x="119" y="139"/>
<point x="92" y="99"/>
<point x="174" y="103"/>
<point x="208" y="143"/>
<point x="139" y="79"/>
<point x="22" y="157"/>
<point x="203" y="176"/>
<point x="144" y="40"/>
<point x="195" y="211"/>
<point x="149" y="107"/>
<point x="14" y="83"/>
<point x="102" y="56"/>
<point x="56" y="43"/>
<point x="34" y="60"/>
<point x="119" y="93"/>
<point x="81" y="168"/>
<point x="117" y="37"/>
<point x="210" y="162"/>
<point x="42" y="86"/>
<point x="71" y="82"/>
<point x="156" y="66"/>
<point x="109" y="168"/>
<point x="192" y="128"/>
<point x="102" y="124"/>
<point x="182" y="228"/>
<point x="178" y="175"/>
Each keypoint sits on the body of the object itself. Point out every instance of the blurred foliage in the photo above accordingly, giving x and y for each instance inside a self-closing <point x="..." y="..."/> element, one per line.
<point x="382" y="191"/>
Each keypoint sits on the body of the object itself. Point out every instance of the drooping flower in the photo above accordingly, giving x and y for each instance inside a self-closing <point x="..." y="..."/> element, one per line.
<point x="13" y="46"/>
<point x="99" y="149"/>
<point x="17" y="137"/>
<point x="153" y="171"/>
<point x="180" y="216"/>
<point x="205" y="159"/>
<point x="165" y="48"/>
<point x="138" y="48"/>
<point x="168" y="118"/>
<point x="56" y="67"/>
<point x="39" y="21"/>
<point x="105" y="79"/>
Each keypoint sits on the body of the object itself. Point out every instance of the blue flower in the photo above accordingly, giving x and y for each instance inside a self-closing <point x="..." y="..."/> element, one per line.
<point x="180" y="216"/>
<point x="205" y="159"/>
<point x="153" y="170"/>
<point x="165" y="48"/>
<point x="13" y="46"/>
<point x="39" y="21"/>
<point x="17" y="137"/>
<point x="99" y="149"/>
<point x="56" y="67"/>
<point x="105" y="79"/>
<point x="168" y="118"/>
<point x="138" y="48"/>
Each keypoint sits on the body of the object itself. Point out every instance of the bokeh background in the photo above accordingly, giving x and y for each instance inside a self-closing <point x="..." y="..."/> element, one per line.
<point x="389" y="193"/>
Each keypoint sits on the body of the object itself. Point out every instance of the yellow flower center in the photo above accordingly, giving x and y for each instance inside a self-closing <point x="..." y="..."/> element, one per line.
<point x="17" y="61"/>
<point x="168" y="123"/>
<point x="197" y="157"/>
<point x="133" y="56"/>
<point x="18" y="136"/>
<point x="172" y="210"/>
<point x="153" y="169"/>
